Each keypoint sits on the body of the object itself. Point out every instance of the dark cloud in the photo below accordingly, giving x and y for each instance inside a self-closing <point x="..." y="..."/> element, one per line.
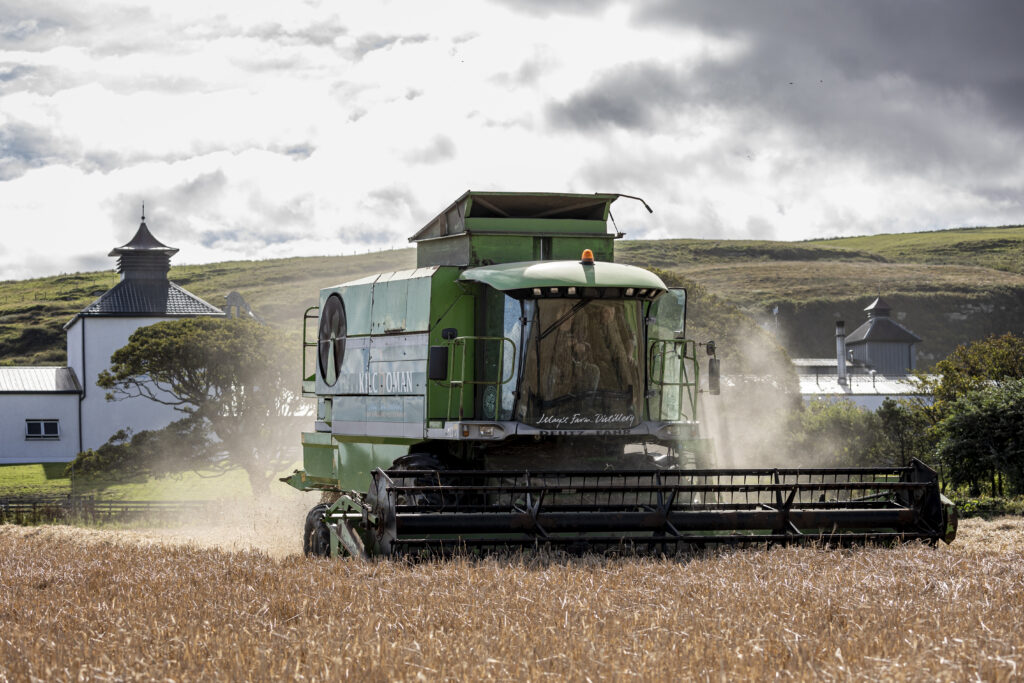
<point x="526" y="74"/>
<point x="13" y="72"/>
<point x="947" y="45"/>
<point x="281" y="221"/>
<point x="245" y="241"/>
<point x="630" y="97"/>
<point x="372" y="42"/>
<point x="28" y="25"/>
<point x="395" y="201"/>
<point x="24" y="146"/>
<point x="394" y="207"/>
<point x="301" y="151"/>
<point x="440" y="149"/>
<point x="931" y="89"/>
<point x="168" y="208"/>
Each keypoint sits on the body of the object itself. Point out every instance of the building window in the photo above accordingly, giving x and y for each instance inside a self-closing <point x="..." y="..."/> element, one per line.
<point x="42" y="429"/>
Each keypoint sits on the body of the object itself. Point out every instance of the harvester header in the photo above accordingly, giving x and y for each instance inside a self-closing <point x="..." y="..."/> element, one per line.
<point x="519" y="387"/>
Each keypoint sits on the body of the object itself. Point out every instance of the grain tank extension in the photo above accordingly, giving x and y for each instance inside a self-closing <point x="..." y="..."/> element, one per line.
<point x="520" y="389"/>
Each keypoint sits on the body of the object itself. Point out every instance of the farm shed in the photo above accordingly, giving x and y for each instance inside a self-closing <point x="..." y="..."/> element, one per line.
<point x="64" y="404"/>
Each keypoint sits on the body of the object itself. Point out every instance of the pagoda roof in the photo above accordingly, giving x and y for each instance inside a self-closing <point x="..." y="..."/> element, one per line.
<point x="878" y="307"/>
<point x="143" y="241"/>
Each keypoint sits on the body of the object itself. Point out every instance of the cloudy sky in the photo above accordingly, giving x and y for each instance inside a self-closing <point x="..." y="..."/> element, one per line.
<point x="259" y="129"/>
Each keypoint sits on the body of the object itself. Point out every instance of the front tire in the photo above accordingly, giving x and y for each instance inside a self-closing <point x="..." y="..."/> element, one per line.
<point x="316" y="537"/>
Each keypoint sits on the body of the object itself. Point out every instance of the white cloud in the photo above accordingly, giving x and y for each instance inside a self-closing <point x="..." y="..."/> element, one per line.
<point x="257" y="130"/>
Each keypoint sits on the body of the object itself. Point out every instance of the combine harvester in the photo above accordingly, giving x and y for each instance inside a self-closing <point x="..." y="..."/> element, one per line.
<point x="520" y="389"/>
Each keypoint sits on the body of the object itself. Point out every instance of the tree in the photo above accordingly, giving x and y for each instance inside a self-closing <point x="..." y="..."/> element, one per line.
<point x="835" y="434"/>
<point x="232" y="377"/>
<point x="982" y="437"/>
<point x="182" y="445"/>
<point x="904" y="432"/>
<point x="974" y="366"/>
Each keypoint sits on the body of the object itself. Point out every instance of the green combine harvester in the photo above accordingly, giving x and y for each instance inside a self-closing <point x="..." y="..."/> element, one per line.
<point x="520" y="389"/>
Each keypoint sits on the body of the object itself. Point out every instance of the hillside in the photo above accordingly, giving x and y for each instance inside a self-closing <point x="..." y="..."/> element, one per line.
<point x="33" y="312"/>
<point x="998" y="248"/>
<point x="947" y="286"/>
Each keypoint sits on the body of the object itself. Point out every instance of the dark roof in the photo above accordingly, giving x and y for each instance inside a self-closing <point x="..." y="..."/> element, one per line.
<point x="158" y="298"/>
<point x="878" y="307"/>
<point x="38" y="380"/>
<point x="881" y="329"/>
<point x="143" y="242"/>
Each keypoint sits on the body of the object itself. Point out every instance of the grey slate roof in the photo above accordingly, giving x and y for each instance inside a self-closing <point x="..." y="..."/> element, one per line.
<point x="882" y="330"/>
<point x="157" y="298"/>
<point x="38" y="380"/>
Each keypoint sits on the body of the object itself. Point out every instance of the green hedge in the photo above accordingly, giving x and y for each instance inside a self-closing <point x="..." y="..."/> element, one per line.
<point x="988" y="506"/>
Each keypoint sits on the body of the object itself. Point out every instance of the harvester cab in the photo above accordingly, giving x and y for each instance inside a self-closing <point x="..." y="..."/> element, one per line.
<point x="520" y="388"/>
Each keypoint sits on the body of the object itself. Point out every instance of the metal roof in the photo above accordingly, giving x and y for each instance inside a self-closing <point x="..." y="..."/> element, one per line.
<point x="158" y="298"/>
<point x="818" y="362"/>
<point x="506" y="276"/>
<point x="38" y="380"/>
<point x="859" y="385"/>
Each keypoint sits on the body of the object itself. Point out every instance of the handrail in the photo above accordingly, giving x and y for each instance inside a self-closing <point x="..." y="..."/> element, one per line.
<point x="663" y="350"/>
<point x="450" y="382"/>
<point x="309" y="377"/>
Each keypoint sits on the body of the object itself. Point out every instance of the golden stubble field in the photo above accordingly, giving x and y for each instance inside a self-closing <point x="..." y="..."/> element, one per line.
<point x="79" y="604"/>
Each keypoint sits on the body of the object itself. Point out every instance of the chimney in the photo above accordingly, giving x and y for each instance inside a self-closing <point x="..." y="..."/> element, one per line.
<point x="841" y="351"/>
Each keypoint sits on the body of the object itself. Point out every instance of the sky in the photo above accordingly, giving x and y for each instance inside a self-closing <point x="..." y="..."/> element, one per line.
<point x="261" y="130"/>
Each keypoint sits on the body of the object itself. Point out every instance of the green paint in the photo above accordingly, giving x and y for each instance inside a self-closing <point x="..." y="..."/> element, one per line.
<point x="540" y="226"/>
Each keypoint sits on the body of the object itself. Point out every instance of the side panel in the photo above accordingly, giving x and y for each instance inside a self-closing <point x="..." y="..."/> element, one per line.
<point x="346" y="465"/>
<point x="452" y="305"/>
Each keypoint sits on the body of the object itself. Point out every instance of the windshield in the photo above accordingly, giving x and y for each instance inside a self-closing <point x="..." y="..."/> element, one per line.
<point x="582" y="367"/>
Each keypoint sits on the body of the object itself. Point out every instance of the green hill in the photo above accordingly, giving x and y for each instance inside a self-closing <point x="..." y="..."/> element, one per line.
<point x="948" y="286"/>
<point x="998" y="248"/>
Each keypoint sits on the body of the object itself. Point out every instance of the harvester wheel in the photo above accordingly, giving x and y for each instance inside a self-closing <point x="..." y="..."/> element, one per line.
<point x="419" y="461"/>
<point x="316" y="538"/>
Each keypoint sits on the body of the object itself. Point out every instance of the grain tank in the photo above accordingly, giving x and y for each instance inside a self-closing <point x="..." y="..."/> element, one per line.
<point x="520" y="388"/>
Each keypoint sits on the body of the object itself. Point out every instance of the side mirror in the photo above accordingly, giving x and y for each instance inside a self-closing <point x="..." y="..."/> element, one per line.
<point x="714" y="376"/>
<point x="437" y="363"/>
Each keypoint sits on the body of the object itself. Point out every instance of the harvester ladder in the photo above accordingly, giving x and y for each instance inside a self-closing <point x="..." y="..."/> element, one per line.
<point x="457" y="371"/>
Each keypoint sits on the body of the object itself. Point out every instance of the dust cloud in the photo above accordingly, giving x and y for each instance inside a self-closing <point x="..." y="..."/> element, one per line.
<point x="749" y="422"/>
<point x="272" y="525"/>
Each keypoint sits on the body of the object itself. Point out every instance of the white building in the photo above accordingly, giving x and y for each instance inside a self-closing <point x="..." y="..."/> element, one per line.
<point x="52" y="414"/>
<point x="875" y="362"/>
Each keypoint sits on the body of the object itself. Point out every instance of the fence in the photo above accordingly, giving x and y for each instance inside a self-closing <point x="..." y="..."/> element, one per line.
<point x="85" y="509"/>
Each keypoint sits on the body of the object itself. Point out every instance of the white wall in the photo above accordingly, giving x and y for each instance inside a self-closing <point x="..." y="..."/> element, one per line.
<point x="16" y="408"/>
<point x="101" y="418"/>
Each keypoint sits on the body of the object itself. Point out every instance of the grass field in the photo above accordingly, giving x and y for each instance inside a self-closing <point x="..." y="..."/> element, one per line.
<point x="81" y="604"/>
<point x="1000" y="248"/>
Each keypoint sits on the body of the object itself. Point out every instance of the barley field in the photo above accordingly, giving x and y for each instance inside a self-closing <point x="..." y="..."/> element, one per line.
<point x="188" y="605"/>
